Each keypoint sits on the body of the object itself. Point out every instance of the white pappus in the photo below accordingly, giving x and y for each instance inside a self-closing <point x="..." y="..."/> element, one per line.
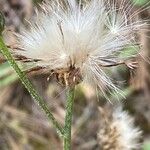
<point x="88" y="36"/>
<point x="117" y="131"/>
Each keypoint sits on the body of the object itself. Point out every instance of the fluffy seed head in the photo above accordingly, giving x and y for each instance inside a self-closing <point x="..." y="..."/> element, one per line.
<point x="117" y="131"/>
<point x="85" y="37"/>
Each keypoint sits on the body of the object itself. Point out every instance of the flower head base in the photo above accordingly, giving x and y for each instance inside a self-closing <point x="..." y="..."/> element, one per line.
<point x="68" y="76"/>
<point x="84" y="37"/>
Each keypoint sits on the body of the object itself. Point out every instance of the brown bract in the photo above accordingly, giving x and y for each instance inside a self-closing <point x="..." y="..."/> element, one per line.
<point x="68" y="77"/>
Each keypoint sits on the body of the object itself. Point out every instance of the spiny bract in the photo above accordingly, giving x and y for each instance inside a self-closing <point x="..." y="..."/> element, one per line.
<point x="89" y="36"/>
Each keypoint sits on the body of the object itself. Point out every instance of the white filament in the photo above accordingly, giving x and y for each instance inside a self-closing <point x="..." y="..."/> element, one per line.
<point x="86" y="33"/>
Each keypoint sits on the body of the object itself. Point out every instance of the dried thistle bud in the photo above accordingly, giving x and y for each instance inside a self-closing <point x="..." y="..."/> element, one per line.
<point x="117" y="131"/>
<point x="2" y="23"/>
<point x="78" y="41"/>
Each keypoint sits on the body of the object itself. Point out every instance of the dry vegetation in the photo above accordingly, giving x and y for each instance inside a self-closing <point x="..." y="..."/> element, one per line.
<point x="24" y="127"/>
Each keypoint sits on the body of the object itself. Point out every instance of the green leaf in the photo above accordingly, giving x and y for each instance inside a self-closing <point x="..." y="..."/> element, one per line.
<point x="140" y="2"/>
<point x="123" y="93"/>
<point x="5" y="70"/>
<point x="8" y="80"/>
<point x="146" y="146"/>
<point x="129" y="51"/>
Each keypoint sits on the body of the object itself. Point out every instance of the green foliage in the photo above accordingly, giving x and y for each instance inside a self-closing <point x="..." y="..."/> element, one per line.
<point x="146" y="146"/>
<point x="140" y="2"/>
<point x="132" y="50"/>
<point x="8" y="80"/>
<point x="37" y="1"/>
<point x="123" y="93"/>
<point x="7" y="75"/>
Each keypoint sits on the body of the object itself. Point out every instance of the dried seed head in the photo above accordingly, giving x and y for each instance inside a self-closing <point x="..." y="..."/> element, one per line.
<point x="117" y="131"/>
<point x="87" y="36"/>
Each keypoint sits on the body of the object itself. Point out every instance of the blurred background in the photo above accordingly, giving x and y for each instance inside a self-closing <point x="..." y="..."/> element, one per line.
<point x="22" y="124"/>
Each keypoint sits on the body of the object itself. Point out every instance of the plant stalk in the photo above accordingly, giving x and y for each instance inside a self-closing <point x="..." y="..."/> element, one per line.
<point x="68" y="119"/>
<point x="28" y="85"/>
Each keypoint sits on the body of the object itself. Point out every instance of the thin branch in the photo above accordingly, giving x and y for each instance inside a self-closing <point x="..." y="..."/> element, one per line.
<point x="68" y="119"/>
<point x="28" y="85"/>
<point x="129" y="63"/>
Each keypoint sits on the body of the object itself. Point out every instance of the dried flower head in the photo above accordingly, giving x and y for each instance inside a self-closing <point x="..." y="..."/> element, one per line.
<point x="117" y="131"/>
<point x="78" y="41"/>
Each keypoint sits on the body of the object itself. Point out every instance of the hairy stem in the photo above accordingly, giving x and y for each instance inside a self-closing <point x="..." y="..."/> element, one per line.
<point x="68" y="119"/>
<point x="28" y="85"/>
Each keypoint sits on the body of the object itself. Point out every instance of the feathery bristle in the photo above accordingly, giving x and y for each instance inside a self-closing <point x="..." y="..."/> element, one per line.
<point x="117" y="131"/>
<point x="86" y="35"/>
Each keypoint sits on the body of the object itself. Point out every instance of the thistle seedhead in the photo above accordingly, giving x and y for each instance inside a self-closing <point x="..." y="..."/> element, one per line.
<point x="78" y="41"/>
<point x="117" y="130"/>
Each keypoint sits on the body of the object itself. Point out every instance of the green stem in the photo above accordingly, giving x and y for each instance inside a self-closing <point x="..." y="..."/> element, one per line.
<point x="68" y="119"/>
<point x="28" y="85"/>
